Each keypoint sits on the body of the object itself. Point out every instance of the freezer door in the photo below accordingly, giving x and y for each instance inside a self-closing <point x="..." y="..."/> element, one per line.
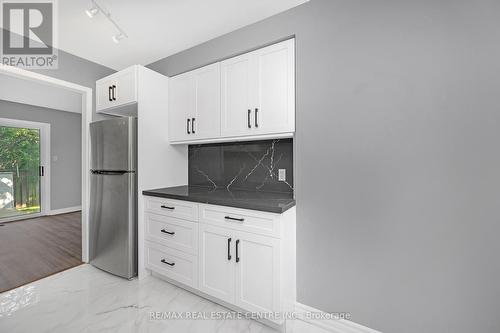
<point x="113" y="223"/>
<point x="113" y="144"/>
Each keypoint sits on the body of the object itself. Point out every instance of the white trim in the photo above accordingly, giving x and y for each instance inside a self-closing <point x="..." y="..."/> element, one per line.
<point x="86" y="118"/>
<point x="64" y="210"/>
<point x="235" y="139"/>
<point x="44" y="129"/>
<point x="334" y="326"/>
<point x="20" y="217"/>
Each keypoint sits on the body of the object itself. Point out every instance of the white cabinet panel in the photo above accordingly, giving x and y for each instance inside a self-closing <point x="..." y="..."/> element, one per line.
<point x="116" y="90"/>
<point x="236" y="90"/>
<point x="172" y="232"/>
<point x="274" y="110"/>
<point x="181" y="105"/>
<point x="257" y="272"/>
<point x="174" y="264"/>
<point x="194" y="104"/>
<point x="216" y="255"/>
<point x="207" y="116"/>
<point x="241" y="219"/>
<point x="175" y="208"/>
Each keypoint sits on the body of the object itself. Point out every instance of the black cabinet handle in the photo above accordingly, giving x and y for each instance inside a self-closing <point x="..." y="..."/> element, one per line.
<point x="188" y="126"/>
<point x="234" y="218"/>
<point x="114" y="92"/>
<point x="167" y="207"/>
<point x="109" y="93"/>
<point x="192" y="124"/>
<point x="168" y="263"/>
<point x="168" y="232"/>
<point x="256" y="117"/>
<point x="248" y="118"/>
<point x="41" y="171"/>
<point x="237" y="245"/>
<point x="229" y="249"/>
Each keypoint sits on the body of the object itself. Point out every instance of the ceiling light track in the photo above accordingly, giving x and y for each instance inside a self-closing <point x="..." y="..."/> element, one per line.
<point x="96" y="9"/>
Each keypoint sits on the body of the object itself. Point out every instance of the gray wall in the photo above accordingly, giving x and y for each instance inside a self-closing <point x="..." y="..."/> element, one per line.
<point x="80" y="71"/>
<point x="74" y="69"/>
<point x="397" y="218"/>
<point x="65" y="143"/>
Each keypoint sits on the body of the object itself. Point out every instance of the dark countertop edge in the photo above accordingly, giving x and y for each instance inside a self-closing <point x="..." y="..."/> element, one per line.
<point x="243" y="205"/>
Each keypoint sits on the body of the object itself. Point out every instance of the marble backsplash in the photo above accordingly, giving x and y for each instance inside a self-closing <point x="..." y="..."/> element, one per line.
<point x="251" y="165"/>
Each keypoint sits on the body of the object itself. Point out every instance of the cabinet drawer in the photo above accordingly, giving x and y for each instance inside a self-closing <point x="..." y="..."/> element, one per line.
<point x="179" y="234"/>
<point x="176" y="208"/>
<point x="173" y="264"/>
<point x="267" y="224"/>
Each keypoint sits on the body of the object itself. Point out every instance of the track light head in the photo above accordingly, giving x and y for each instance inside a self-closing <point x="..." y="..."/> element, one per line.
<point x="92" y="11"/>
<point x="118" y="37"/>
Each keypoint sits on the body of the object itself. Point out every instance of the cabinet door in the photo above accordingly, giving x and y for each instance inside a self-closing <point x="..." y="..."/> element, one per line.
<point x="181" y="105"/>
<point x="257" y="272"/>
<point x="207" y="114"/>
<point x="236" y="91"/>
<point x="216" y="260"/>
<point x="104" y="91"/>
<point x="125" y="87"/>
<point x="274" y="100"/>
<point x="117" y="89"/>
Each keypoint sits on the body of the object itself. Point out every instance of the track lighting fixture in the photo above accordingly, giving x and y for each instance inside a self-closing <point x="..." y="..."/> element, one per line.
<point x="92" y="11"/>
<point x="95" y="9"/>
<point x="118" y="37"/>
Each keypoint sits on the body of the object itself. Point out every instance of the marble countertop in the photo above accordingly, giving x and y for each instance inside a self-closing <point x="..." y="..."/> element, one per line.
<point x="273" y="202"/>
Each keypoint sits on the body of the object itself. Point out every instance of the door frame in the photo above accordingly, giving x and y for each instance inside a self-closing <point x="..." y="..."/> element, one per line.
<point x="44" y="129"/>
<point x="86" y="112"/>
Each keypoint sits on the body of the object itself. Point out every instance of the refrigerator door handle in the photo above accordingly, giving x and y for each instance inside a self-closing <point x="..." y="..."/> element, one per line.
<point x="110" y="172"/>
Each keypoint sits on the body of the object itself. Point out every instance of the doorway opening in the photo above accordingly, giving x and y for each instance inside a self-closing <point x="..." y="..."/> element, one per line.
<point x="24" y="169"/>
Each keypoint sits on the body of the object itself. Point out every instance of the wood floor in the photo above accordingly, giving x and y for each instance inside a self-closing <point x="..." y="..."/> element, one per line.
<point x="35" y="248"/>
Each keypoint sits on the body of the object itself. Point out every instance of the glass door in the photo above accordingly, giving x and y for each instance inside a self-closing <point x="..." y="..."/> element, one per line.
<point x="21" y="170"/>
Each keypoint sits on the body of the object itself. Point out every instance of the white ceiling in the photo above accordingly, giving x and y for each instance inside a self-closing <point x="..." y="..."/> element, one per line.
<point x="155" y="28"/>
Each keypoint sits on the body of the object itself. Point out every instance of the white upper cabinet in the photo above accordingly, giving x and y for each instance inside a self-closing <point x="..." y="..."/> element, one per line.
<point x="181" y="105"/>
<point x="258" y="92"/>
<point x="236" y="82"/>
<point x="274" y="88"/>
<point x="250" y="96"/>
<point x="194" y="104"/>
<point x="116" y="90"/>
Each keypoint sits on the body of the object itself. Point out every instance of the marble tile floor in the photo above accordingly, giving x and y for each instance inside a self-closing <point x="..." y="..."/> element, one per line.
<point x="86" y="299"/>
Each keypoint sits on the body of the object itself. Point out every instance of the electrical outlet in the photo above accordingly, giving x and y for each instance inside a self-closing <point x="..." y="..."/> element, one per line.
<point x="282" y="175"/>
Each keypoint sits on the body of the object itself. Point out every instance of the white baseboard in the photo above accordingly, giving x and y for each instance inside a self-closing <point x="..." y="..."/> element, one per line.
<point x="64" y="210"/>
<point x="332" y="325"/>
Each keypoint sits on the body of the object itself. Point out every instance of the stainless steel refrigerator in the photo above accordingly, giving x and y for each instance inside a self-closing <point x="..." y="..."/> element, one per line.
<point x="113" y="196"/>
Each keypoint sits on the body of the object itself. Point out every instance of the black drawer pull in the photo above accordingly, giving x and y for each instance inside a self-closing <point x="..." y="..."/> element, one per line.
<point x="256" y="117"/>
<point x="110" y="88"/>
<point x="248" y="118"/>
<point x="229" y="249"/>
<point x="168" y="232"/>
<point x="237" y="255"/>
<point x="192" y="124"/>
<point x="187" y="128"/>
<point x="114" y="91"/>
<point x="168" y="263"/>
<point x="234" y="218"/>
<point x="167" y="207"/>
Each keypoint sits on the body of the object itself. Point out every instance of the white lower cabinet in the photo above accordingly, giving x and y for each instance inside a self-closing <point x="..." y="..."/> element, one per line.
<point x="257" y="273"/>
<point x="173" y="264"/>
<point x="216" y="254"/>
<point x="249" y="264"/>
